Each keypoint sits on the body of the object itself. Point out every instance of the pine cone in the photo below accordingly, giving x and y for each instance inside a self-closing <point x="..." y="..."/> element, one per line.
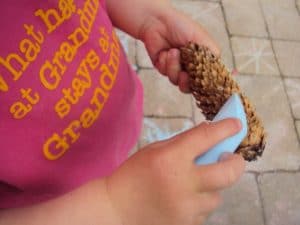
<point x="212" y="84"/>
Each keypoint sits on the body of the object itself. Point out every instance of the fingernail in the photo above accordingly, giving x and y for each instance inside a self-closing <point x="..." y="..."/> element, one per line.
<point x="174" y="53"/>
<point x="225" y="156"/>
<point x="238" y="124"/>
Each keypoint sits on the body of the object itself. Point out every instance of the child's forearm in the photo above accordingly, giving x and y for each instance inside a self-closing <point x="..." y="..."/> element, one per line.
<point x="89" y="204"/>
<point x="131" y="15"/>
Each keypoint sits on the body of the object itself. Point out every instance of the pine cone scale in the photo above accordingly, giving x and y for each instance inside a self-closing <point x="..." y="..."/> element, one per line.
<point x="211" y="85"/>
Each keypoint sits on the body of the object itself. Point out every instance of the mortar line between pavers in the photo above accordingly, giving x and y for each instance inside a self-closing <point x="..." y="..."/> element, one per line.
<point x="136" y="58"/>
<point x="265" y="20"/>
<point x="269" y="75"/>
<point x="249" y="36"/>
<point x="193" y="110"/>
<point x="135" y="54"/>
<point x="285" y="91"/>
<point x="192" y="117"/>
<point x="261" y="199"/>
<point x="264" y="38"/>
<point x="289" y="101"/>
<point x="273" y="171"/>
<point x="270" y="39"/>
<point x="228" y="33"/>
<point x="147" y="68"/>
<point x="138" y="69"/>
<point x="260" y="75"/>
<point x="298" y="133"/>
<point x="297" y="7"/>
<point x="286" y="40"/>
<point x="206" y="1"/>
<point x="281" y="75"/>
<point x="291" y="77"/>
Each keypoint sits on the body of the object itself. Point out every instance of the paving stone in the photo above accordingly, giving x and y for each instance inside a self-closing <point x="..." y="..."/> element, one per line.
<point x="163" y="98"/>
<point x="293" y="91"/>
<point x="198" y="115"/>
<point x="254" y="56"/>
<point x="143" y="58"/>
<point x="298" y="128"/>
<point x="133" y="150"/>
<point x="282" y="18"/>
<point x="209" y="0"/>
<point x="210" y="16"/>
<point x="241" y="205"/>
<point x="245" y="17"/>
<point x="160" y="129"/>
<point x="268" y="96"/>
<point x="288" y="55"/>
<point x="281" y="198"/>
<point x="129" y="45"/>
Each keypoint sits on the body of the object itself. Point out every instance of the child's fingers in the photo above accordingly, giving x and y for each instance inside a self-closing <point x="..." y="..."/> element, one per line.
<point x="183" y="82"/>
<point x="173" y="65"/>
<point x="220" y="175"/>
<point x="197" y="140"/>
<point x="168" y="64"/>
<point x="176" y="76"/>
<point x="161" y="64"/>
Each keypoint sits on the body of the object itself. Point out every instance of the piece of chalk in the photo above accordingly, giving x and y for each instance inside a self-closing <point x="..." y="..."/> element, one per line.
<point x="233" y="108"/>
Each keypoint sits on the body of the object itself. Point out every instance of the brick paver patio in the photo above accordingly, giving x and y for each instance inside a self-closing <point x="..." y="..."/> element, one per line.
<point x="261" y="39"/>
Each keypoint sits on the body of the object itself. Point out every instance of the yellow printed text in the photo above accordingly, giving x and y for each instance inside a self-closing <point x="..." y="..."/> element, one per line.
<point x="52" y="71"/>
<point x="52" y="18"/>
<point x="79" y="84"/>
<point x="21" y="108"/>
<point x="15" y="64"/>
<point x="58" y="144"/>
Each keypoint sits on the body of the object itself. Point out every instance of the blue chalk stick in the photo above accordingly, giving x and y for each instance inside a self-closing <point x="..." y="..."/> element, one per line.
<point x="233" y="108"/>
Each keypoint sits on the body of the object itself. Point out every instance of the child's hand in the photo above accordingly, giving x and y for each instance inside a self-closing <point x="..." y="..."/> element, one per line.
<point x="163" y="30"/>
<point x="161" y="185"/>
<point x="164" y="33"/>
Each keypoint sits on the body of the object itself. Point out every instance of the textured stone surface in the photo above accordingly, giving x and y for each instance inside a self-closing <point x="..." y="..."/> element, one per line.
<point x="161" y="129"/>
<point x="288" y="55"/>
<point x="280" y="191"/>
<point x="245" y="17"/>
<point x="129" y="45"/>
<point x="143" y="59"/>
<point x="293" y="90"/>
<point x="133" y="150"/>
<point x="254" y="56"/>
<point x="282" y="18"/>
<point x="198" y="116"/>
<point x="162" y="98"/>
<point x="268" y="96"/>
<point x="241" y="205"/>
<point x="210" y="16"/>
<point x="298" y="128"/>
<point x="281" y="198"/>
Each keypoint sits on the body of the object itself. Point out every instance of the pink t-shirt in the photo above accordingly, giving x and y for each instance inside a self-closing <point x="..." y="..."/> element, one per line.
<point x="71" y="107"/>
